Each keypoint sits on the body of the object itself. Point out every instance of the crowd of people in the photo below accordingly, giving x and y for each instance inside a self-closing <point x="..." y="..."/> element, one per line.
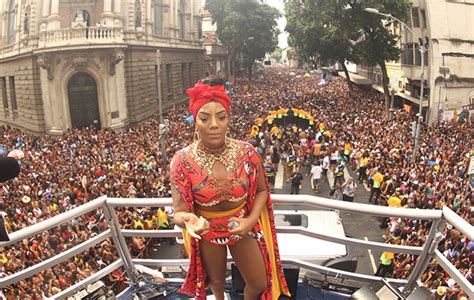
<point x="347" y="128"/>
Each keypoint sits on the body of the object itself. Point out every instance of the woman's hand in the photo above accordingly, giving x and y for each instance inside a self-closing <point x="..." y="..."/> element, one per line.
<point x="196" y="225"/>
<point x="245" y="225"/>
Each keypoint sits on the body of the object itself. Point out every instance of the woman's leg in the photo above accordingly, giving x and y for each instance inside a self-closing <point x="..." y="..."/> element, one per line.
<point x="214" y="259"/>
<point x="248" y="257"/>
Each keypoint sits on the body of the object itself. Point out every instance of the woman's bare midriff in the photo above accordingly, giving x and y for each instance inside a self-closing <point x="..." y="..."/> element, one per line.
<point x="221" y="206"/>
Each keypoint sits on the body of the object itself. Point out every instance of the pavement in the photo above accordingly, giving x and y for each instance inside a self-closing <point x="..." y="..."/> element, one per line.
<point x="356" y="225"/>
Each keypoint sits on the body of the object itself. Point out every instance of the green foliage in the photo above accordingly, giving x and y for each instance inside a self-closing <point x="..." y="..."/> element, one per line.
<point x="237" y="20"/>
<point x="325" y="28"/>
<point x="277" y="54"/>
<point x="380" y="44"/>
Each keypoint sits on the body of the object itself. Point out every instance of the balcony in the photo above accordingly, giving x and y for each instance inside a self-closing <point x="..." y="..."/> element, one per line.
<point x="90" y="37"/>
<point x="80" y="36"/>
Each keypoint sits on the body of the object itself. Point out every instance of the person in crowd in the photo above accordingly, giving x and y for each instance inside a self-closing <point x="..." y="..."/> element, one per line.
<point x="296" y="180"/>
<point x="377" y="182"/>
<point x="221" y="200"/>
<point x="349" y="190"/>
<point x="316" y="172"/>
<point x="271" y="175"/>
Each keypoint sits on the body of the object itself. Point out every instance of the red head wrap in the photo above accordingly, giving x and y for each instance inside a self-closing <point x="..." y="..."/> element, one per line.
<point x="202" y="94"/>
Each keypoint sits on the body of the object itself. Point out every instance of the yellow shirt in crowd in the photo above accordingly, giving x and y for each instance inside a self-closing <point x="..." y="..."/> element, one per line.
<point x="364" y="161"/>
<point x="378" y="179"/>
<point x="394" y="201"/>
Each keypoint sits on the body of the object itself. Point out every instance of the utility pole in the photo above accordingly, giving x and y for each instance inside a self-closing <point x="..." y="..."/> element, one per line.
<point x="419" y="114"/>
<point x="163" y="125"/>
<point x="392" y="99"/>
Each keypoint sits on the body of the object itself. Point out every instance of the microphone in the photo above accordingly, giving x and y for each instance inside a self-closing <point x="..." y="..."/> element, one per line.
<point x="9" y="168"/>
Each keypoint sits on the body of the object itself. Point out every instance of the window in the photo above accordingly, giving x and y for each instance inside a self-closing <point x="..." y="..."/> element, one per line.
<point x="199" y="29"/>
<point x="13" y="93"/>
<point x="415" y="17"/>
<point x="407" y="54"/>
<point x="423" y="18"/>
<point x="291" y="220"/>
<point x="183" y="76"/>
<point x="158" y="18"/>
<point x="168" y="81"/>
<point x="190" y="77"/>
<point x="3" y="87"/>
<point x="181" y="11"/>
<point x="11" y="14"/>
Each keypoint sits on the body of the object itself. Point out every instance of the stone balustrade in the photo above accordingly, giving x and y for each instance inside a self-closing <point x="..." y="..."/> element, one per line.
<point x="79" y="36"/>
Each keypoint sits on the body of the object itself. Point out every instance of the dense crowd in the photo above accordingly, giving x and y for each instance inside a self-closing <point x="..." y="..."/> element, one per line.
<point x="60" y="173"/>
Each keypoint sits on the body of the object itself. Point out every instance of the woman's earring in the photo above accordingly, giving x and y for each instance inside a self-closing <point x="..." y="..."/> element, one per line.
<point x="196" y="137"/>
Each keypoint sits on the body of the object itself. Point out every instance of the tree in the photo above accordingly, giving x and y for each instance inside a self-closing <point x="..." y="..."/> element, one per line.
<point x="379" y="44"/>
<point x="239" y="20"/>
<point x="322" y="29"/>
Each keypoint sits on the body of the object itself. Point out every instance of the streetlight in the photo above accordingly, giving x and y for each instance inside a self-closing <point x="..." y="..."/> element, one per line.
<point x="231" y="54"/>
<point x="422" y="50"/>
<point x="163" y="127"/>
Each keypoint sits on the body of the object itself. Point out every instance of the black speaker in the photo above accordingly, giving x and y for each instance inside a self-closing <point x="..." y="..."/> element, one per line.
<point x="291" y="275"/>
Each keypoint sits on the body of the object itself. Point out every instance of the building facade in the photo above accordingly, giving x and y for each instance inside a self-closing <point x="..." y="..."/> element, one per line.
<point x="76" y="63"/>
<point x="446" y="29"/>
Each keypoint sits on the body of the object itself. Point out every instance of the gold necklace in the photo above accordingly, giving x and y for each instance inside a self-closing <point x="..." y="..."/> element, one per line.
<point x="226" y="156"/>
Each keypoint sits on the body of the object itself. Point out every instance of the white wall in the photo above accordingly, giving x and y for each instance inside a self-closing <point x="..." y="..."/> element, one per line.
<point x="451" y="30"/>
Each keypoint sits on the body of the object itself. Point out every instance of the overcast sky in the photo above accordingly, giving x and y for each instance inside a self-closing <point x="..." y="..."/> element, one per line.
<point x="283" y="38"/>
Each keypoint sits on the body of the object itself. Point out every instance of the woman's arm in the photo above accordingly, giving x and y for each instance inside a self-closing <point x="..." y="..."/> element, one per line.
<point x="179" y="207"/>
<point x="260" y="197"/>
<point x="182" y="216"/>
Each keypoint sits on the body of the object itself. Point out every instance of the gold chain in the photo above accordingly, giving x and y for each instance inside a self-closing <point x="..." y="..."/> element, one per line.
<point x="226" y="156"/>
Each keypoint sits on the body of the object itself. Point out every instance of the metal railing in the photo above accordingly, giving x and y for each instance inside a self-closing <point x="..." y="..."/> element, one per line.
<point x="426" y="253"/>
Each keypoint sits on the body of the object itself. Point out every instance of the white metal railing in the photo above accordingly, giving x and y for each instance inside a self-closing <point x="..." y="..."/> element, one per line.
<point x="426" y="253"/>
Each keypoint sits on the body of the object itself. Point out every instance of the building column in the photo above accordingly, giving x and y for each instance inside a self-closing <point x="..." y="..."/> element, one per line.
<point x="170" y="18"/>
<point x="46" y="7"/>
<point x="118" y="103"/>
<point x="107" y="15"/>
<point x="192" y="34"/>
<point x="117" y="11"/>
<point x="54" y="20"/>
<point x="148" y="18"/>
<point x="166" y="18"/>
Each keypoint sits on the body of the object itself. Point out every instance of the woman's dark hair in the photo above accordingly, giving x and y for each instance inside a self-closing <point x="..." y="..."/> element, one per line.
<point x="213" y="80"/>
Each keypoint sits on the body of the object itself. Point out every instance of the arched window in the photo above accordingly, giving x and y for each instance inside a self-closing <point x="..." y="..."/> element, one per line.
<point x="158" y="17"/>
<point x="138" y="14"/>
<point x="182" y="19"/>
<point x="11" y="14"/>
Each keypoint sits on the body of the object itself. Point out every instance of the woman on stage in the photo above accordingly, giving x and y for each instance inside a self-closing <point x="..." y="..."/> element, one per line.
<point x="221" y="199"/>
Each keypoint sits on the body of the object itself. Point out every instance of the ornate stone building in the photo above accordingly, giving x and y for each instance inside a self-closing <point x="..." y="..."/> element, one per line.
<point x="75" y="63"/>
